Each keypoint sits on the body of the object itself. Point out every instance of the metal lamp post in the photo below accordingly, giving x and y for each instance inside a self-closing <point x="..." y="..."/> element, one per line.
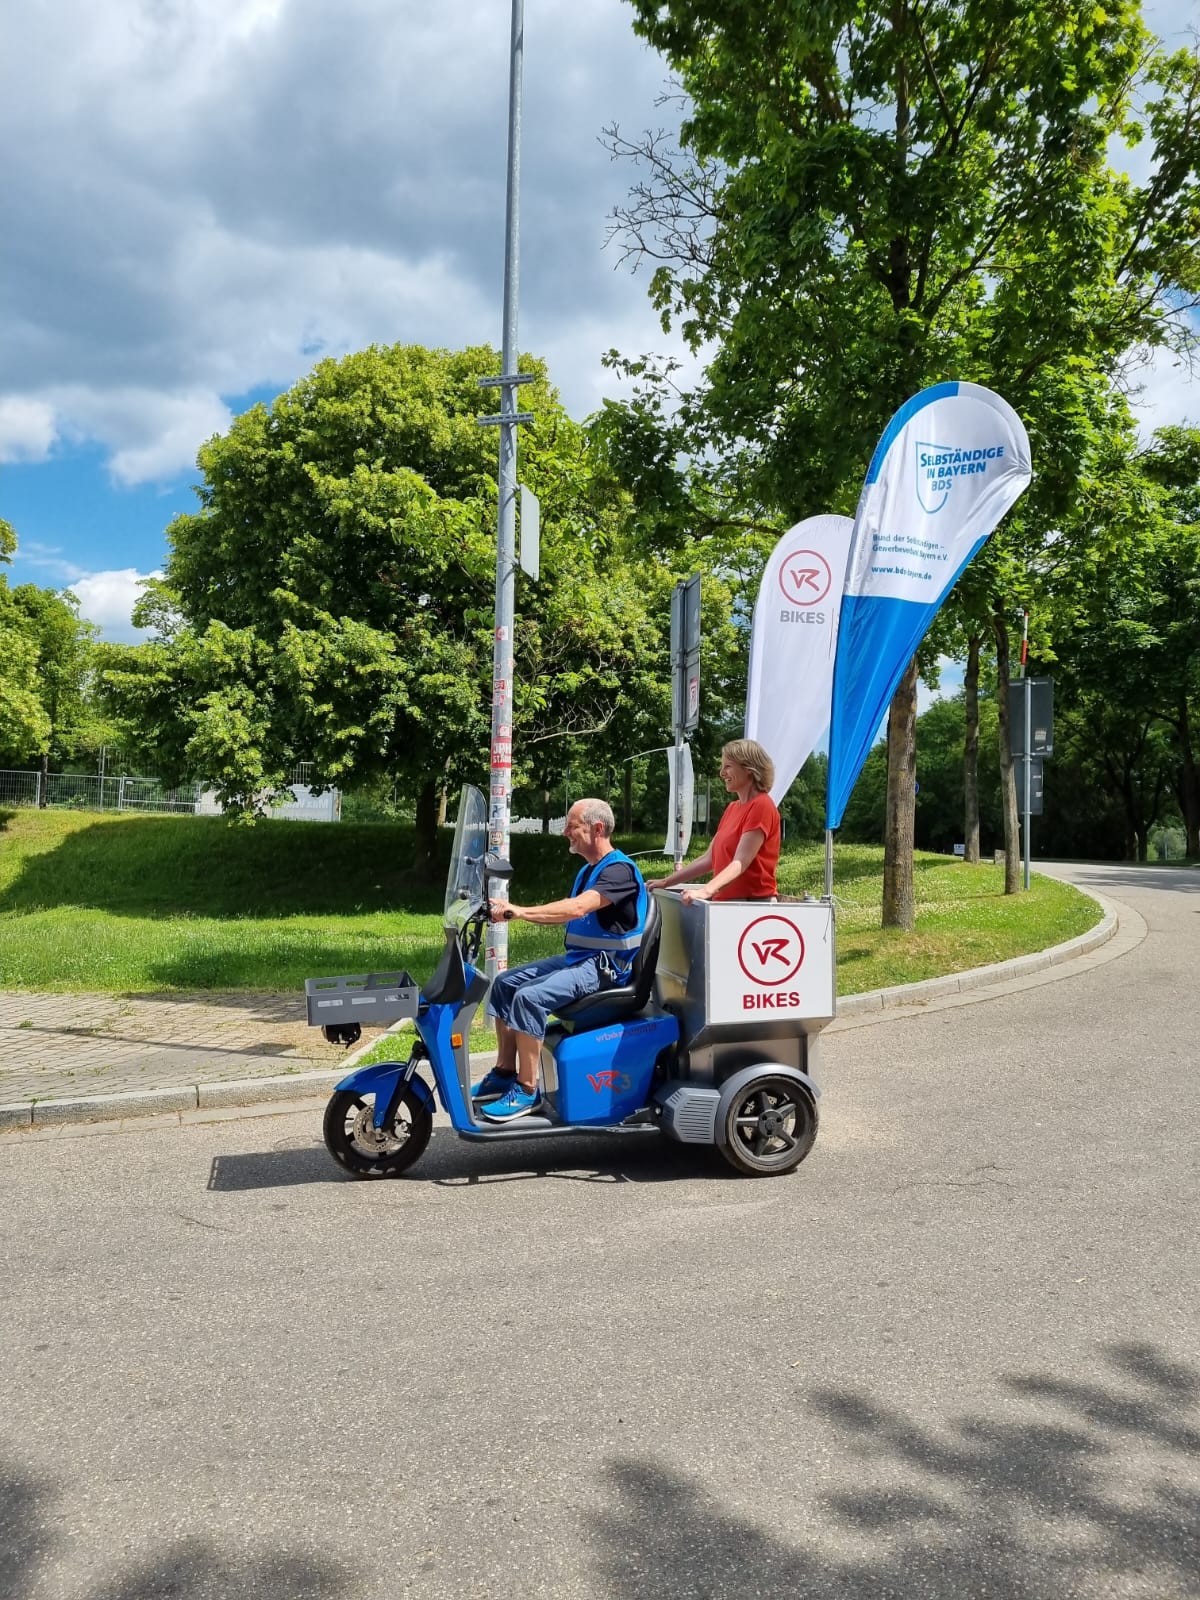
<point x="507" y="420"/>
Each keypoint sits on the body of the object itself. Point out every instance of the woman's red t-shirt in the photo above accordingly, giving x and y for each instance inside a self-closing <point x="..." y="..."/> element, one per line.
<point x="757" y="881"/>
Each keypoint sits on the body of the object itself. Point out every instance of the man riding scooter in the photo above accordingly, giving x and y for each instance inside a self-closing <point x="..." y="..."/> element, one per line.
<point x="605" y="916"/>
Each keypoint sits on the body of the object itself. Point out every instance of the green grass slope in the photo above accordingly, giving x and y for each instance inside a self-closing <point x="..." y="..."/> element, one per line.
<point x="133" y="904"/>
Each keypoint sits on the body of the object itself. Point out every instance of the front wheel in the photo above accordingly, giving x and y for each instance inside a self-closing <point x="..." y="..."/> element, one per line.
<point x="355" y="1143"/>
<point x="770" y="1126"/>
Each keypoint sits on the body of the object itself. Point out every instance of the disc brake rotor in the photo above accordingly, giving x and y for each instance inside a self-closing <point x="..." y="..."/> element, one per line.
<point x="368" y="1137"/>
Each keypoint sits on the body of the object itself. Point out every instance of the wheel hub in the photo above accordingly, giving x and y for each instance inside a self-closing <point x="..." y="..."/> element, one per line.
<point x="771" y="1123"/>
<point x="368" y="1137"/>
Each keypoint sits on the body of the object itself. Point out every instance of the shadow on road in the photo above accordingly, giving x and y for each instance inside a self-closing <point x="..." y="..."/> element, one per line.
<point x="183" y="1569"/>
<point x="453" y="1163"/>
<point x="1084" y="1493"/>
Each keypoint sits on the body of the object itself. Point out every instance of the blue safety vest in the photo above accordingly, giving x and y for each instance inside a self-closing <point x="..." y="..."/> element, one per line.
<point x="585" y="934"/>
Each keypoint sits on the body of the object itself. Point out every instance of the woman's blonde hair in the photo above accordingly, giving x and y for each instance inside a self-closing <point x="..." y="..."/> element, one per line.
<point x="750" y="754"/>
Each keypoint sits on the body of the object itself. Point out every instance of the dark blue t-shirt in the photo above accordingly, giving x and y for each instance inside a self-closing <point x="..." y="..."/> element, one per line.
<point x="616" y="881"/>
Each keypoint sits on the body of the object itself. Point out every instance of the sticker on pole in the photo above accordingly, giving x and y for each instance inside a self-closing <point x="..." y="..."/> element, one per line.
<point x="771" y="950"/>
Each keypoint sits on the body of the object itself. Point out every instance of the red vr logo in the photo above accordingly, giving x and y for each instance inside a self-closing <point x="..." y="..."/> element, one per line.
<point x="770" y="950"/>
<point x="805" y="577"/>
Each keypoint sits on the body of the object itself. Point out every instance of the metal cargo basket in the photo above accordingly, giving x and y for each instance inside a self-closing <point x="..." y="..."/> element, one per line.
<point x="374" y="998"/>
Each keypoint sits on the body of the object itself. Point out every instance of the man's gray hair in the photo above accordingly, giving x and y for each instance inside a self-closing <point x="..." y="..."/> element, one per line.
<point x="593" y="811"/>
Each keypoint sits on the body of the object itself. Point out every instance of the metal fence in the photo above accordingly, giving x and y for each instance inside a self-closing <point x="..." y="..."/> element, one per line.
<point x="89" y="791"/>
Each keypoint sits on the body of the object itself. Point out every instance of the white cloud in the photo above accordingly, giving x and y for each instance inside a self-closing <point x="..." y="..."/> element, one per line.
<point x="152" y="434"/>
<point x="951" y="682"/>
<point x="108" y="598"/>
<point x="27" y="428"/>
<point x="48" y="560"/>
<point x="1163" y="392"/>
<point x="215" y="193"/>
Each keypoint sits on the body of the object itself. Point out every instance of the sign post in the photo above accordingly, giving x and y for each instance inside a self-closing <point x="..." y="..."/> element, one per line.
<point x="1028" y="730"/>
<point x="685" y="695"/>
<point x="1031" y="721"/>
<point x="508" y="419"/>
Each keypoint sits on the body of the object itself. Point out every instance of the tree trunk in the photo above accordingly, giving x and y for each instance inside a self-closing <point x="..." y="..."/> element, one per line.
<point x="425" y="838"/>
<point x="971" y="754"/>
<point x="1008" y="777"/>
<point x="627" y="807"/>
<point x="547" y="796"/>
<point x="900" y="821"/>
<point x="42" y="802"/>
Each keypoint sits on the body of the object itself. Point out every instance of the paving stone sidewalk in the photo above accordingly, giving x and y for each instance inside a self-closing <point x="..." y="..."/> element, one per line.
<point x="93" y="1057"/>
<point x="65" y="1046"/>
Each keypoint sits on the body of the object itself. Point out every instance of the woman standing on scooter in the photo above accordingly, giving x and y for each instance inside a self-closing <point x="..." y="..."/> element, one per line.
<point x="745" y="848"/>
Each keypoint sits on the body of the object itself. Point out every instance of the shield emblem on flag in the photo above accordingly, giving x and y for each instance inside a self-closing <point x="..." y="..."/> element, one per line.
<point x="932" y="490"/>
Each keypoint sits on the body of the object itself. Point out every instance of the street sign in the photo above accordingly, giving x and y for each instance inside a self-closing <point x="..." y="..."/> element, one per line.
<point x="1035" y="785"/>
<point x="1041" y="694"/>
<point x="685" y="655"/>
<point x="531" y="532"/>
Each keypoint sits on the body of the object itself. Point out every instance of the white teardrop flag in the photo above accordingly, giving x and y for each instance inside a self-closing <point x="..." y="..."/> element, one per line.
<point x="792" y="644"/>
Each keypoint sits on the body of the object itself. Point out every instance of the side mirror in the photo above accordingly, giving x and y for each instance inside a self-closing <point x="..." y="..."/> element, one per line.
<point x="495" y="866"/>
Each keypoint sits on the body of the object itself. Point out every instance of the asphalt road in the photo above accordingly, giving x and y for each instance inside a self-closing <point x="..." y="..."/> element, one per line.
<point x="956" y="1354"/>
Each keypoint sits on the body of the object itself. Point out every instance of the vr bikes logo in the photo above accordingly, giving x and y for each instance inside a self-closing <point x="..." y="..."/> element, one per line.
<point x="770" y="953"/>
<point x="805" y="579"/>
<point x="617" y="1082"/>
<point x="939" y="466"/>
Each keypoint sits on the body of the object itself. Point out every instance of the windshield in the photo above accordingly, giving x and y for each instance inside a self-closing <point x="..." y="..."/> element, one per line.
<point x="464" y="885"/>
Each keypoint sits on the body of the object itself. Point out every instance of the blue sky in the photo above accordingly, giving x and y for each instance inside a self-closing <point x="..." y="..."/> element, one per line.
<point x="213" y="193"/>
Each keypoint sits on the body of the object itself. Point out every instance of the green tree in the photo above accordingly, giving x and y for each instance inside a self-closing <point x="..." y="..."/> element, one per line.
<point x="24" y="725"/>
<point x="1127" y="639"/>
<point x="877" y="197"/>
<point x="938" y="800"/>
<point x="332" y="598"/>
<point x="1174" y="613"/>
<point x="45" y="664"/>
<point x="65" y="645"/>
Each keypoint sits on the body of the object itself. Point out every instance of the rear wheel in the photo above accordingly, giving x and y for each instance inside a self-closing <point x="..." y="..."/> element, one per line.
<point x="769" y="1127"/>
<point x="355" y="1143"/>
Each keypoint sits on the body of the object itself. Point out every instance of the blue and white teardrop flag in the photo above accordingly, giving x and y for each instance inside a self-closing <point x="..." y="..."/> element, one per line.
<point x="792" y="641"/>
<point x="950" y="463"/>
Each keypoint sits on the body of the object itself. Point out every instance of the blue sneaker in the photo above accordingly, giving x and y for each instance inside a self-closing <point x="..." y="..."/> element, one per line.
<point x="493" y="1085"/>
<point x="515" y="1102"/>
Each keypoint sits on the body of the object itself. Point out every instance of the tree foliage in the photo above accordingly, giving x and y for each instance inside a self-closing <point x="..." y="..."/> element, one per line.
<point x="332" y="598"/>
<point x="875" y="197"/>
<point x="1127" y="648"/>
<point x="46" y="654"/>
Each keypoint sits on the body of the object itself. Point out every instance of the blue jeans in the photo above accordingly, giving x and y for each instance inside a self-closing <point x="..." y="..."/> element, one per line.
<point x="524" y="997"/>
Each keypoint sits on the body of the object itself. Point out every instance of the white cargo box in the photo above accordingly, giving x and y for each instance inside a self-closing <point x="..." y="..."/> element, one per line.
<point x="743" y="963"/>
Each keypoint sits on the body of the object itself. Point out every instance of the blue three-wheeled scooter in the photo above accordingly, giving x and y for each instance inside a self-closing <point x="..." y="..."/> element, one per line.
<point x="712" y="1040"/>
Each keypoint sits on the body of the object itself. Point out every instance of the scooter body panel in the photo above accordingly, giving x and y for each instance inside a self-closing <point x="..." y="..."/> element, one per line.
<point x="605" y="1075"/>
<point x="437" y="1025"/>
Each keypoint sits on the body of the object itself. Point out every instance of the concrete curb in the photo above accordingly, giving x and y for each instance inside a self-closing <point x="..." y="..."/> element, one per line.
<point x="184" y="1104"/>
<point x="191" y="1097"/>
<point x="908" y="994"/>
